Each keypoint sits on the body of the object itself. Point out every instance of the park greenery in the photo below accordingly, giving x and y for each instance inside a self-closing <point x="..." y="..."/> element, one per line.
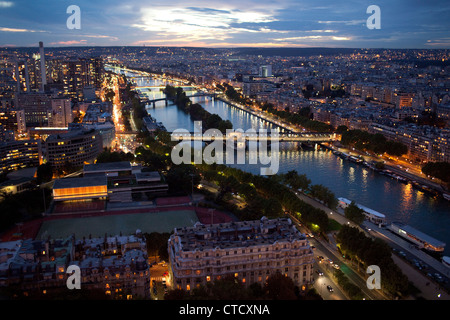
<point x="300" y="118"/>
<point x="354" y="213"/>
<point x="440" y="170"/>
<point x="365" y="251"/>
<point x="196" y="111"/>
<point x="23" y="206"/>
<point x="352" y="290"/>
<point x="112" y="156"/>
<point x="376" y="143"/>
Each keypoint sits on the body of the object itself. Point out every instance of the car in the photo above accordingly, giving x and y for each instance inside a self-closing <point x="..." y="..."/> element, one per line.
<point x="336" y="266"/>
<point x="320" y="273"/>
<point x="330" y="288"/>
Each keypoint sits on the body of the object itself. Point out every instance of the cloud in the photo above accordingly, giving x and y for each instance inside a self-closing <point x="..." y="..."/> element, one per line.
<point x="438" y="42"/>
<point x="6" y="4"/>
<point x="346" y="22"/>
<point x="4" y="29"/>
<point x="315" y="38"/>
<point x="99" y="36"/>
<point x="194" y="23"/>
<point x="69" y="43"/>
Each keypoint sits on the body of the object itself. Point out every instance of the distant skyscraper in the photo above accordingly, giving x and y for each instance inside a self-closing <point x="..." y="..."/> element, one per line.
<point x="22" y="77"/>
<point x="80" y="73"/>
<point x="265" y="71"/>
<point x="43" y="69"/>
<point x="61" y="112"/>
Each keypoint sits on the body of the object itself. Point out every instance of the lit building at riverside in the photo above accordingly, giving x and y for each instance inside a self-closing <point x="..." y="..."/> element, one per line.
<point x="251" y="251"/>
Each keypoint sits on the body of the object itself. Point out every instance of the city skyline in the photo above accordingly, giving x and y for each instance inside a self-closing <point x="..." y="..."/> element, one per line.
<point x="420" y="25"/>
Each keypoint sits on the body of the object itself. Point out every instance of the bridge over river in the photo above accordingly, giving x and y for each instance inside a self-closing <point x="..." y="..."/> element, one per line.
<point x="308" y="137"/>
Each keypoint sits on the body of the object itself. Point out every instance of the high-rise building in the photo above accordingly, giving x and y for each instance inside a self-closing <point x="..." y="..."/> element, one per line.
<point x="19" y="154"/>
<point x="61" y="112"/>
<point x="43" y="68"/>
<point x="11" y="118"/>
<point x="36" y="106"/>
<point x="251" y="251"/>
<point x="22" y="76"/>
<point x="80" y="73"/>
<point x="265" y="71"/>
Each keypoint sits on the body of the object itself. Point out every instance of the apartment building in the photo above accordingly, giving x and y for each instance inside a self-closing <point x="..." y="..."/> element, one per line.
<point x="76" y="146"/>
<point x="249" y="250"/>
<point x="115" y="265"/>
<point x="18" y="154"/>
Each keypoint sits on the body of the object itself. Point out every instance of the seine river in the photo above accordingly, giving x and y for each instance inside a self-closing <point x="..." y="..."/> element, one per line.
<point x="398" y="201"/>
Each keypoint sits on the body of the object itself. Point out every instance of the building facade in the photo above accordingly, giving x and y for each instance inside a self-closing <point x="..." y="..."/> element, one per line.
<point x="115" y="266"/>
<point x="249" y="250"/>
<point x="76" y="147"/>
<point x="18" y="154"/>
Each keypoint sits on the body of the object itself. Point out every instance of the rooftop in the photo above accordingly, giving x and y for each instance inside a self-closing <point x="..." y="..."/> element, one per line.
<point x="79" y="182"/>
<point x="237" y="234"/>
<point x="419" y="234"/>
<point x="108" y="166"/>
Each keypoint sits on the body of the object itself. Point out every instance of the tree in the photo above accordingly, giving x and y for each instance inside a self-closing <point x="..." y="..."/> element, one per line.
<point x="297" y="181"/>
<point x="272" y="208"/>
<point x="354" y="213"/>
<point x="280" y="287"/>
<point x="440" y="170"/>
<point x="180" y="180"/>
<point x="176" y="294"/>
<point x="356" y="246"/>
<point x="341" y="129"/>
<point x="380" y="165"/>
<point x="324" y="194"/>
<point x="44" y="173"/>
<point x="228" y="288"/>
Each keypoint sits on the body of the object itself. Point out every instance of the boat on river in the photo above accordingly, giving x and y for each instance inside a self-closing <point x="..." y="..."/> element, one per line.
<point x="422" y="240"/>
<point x="371" y="215"/>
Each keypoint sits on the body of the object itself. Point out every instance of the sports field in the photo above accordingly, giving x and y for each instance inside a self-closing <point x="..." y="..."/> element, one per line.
<point x="163" y="221"/>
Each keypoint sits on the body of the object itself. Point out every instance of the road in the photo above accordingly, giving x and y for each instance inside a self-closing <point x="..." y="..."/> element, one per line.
<point x="327" y="251"/>
<point x="420" y="267"/>
<point x="430" y="287"/>
<point x="322" y="282"/>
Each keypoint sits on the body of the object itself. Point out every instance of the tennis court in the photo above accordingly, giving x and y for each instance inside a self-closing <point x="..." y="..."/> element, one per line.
<point x="163" y="221"/>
